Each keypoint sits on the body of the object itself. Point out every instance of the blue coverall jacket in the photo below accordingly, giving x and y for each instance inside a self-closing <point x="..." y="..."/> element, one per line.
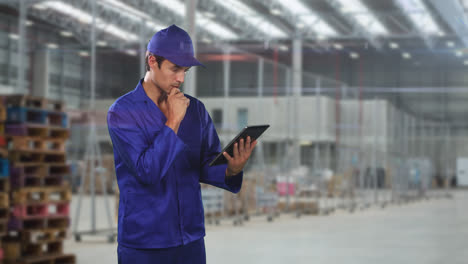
<point x="159" y="172"/>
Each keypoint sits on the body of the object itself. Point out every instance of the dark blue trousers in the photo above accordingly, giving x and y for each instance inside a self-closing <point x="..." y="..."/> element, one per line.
<point x="192" y="253"/>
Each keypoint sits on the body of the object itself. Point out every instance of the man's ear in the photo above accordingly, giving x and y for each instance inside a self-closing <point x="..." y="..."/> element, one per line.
<point x="152" y="61"/>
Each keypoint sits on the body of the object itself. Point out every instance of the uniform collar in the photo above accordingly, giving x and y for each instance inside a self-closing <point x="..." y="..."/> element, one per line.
<point x="139" y="92"/>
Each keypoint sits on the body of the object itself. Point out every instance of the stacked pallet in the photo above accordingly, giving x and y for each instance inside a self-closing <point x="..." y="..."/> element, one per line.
<point x="4" y="180"/>
<point x="244" y="202"/>
<point x="36" y="131"/>
<point x="108" y="173"/>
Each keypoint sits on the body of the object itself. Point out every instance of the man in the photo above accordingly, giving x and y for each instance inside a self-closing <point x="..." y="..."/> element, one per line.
<point x="163" y="141"/>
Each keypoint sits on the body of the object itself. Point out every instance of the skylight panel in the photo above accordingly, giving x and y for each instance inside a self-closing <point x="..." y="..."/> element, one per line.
<point x="174" y="5"/>
<point x="308" y="18"/>
<point x="420" y="16"/>
<point x="215" y="28"/>
<point x="201" y="20"/>
<point x="363" y="16"/>
<point x="86" y="18"/>
<point x="251" y="17"/>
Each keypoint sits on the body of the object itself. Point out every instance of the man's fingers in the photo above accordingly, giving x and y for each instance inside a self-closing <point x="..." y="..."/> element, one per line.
<point x="248" y="147"/>
<point x="241" y="147"/>
<point x="236" y="150"/>
<point x="253" y="144"/>
<point x="251" y="147"/>
<point x="227" y="156"/>
<point x="174" y="91"/>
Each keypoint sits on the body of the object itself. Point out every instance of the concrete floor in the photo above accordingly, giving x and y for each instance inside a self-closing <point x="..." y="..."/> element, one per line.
<point x="433" y="231"/>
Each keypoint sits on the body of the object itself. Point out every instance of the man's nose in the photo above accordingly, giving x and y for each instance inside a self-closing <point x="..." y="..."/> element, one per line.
<point x="180" y="77"/>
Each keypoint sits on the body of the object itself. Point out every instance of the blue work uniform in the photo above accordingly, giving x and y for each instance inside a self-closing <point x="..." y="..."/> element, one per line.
<point x="159" y="174"/>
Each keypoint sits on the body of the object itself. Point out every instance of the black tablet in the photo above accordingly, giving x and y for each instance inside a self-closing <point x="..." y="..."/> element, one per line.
<point x="253" y="131"/>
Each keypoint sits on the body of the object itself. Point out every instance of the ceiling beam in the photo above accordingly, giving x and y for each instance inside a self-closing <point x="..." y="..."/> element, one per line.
<point x="247" y="30"/>
<point x="453" y="13"/>
<point x="357" y="28"/>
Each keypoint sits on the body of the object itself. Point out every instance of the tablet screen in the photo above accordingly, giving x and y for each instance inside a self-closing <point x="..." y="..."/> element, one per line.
<point x="253" y="131"/>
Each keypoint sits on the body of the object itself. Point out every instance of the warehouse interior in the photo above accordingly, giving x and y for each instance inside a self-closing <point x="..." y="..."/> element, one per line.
<point x="365" y="160"/>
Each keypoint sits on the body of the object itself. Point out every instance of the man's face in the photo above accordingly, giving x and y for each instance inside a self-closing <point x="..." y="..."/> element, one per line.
<point x="169" y="76"/>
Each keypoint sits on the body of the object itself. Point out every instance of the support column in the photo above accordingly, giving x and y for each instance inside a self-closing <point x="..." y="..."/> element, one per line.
<point x="259" y="147"/>
<point x="297" y="92"/>
<point x="318" y="84"/>
<point x="190" y="25"/>
<point x="41" y="73"/>
<point x="226" y="79"/>
<point x="93" y="108"/>
<point x="21" y="47"/>
<point x="406" y="126"/>
<point x="142" y="49"/>
<point x="374" y="154"/>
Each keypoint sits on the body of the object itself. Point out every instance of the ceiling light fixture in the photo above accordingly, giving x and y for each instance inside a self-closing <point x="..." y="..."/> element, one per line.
<point x="354" y="55"/>
<point x="406" y="55"/>
<point x="52" y="45"/>
<point x="66" y="34"/>
<point x="338" y="46"/>
<point x="394" y="45"/>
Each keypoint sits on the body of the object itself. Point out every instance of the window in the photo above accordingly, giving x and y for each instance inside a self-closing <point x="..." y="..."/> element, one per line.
<point x="242" y="118"/>
<point x="217" y="117"/>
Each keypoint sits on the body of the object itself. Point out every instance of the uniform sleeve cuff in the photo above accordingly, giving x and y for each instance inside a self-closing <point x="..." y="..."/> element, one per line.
<point x="234" y="182"/>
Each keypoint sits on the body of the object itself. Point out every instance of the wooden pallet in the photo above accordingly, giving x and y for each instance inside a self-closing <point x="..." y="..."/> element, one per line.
<point x="58" y="222"/>
<point x="4" y="214"/>
<point x="3" y="114"/>
<point x="35" y="130"/>
<point x="3" y="153"/>
<point x="63" y="169"/>
<point x="32" y="130"/>
<point x="41" y="249"/>
<point x="36" y="175"/>
<point x="3" y="141"/>
<point x="26" y="156"/>
<point x="55" y="144"/>
<point x="43" y="236"/>
<point x="52" y="259"/>
<point x="54" y="181"/>
<point x="4" y="167"/>
<point x="59" y="132"/>
<point x="27" y="115"/>
<point x="27" y="181"/>
<point x="55" y="209"/>
<point x="36" y="195"/>
<point x="55" y="118"/>
<point x="37" y="156"/>
<point x="3" y="227"/>
<point x="26" y="143"/>
<point x="4" y="185"/>
<point x="21" y="100"/>
<point x="15" y="224"/>
<point x="36" y="170"/>
<point x="16" y="251"/>
<point x="4" y="200"/>
<point x="55" y="105"/>
<point x="39" y="169"/>
<point x="12" y="250"/>
<point x="34" y="101"/>
<point x="55" y="157"/>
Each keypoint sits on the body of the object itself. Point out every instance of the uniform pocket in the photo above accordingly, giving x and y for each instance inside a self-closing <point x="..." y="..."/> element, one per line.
<point x="138" y="217"/>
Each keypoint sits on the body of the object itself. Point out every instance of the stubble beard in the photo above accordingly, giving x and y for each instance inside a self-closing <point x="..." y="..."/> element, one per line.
<point x="162" y="94"/>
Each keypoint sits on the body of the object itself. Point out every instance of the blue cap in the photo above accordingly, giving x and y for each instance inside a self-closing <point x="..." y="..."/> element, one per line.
<point x="174" y="44"/>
